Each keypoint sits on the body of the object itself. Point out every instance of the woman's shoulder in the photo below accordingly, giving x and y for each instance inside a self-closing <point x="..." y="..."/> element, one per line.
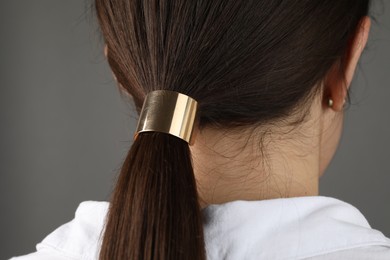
<point x="317" y="228"/>
<point x="309" y="227"/>
<point x="76" y="239"/>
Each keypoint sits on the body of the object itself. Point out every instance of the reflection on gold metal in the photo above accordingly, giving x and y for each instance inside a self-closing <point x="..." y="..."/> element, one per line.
<point x="168" y="112"/>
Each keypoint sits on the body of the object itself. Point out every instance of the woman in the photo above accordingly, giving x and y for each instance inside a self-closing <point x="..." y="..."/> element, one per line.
<point x="259" y="88"/>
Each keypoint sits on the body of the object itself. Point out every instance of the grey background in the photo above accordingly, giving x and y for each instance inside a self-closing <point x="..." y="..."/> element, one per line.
<point x="65" y="129"/>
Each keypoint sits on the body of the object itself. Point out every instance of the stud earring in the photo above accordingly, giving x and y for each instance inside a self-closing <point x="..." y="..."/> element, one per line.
<point x="330" y="102"/>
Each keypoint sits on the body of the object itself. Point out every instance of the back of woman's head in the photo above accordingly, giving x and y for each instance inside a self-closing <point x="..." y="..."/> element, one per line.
<point x="247" y="63"/>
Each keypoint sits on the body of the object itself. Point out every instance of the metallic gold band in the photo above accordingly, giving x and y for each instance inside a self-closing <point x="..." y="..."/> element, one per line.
<point x="168" y="112"/>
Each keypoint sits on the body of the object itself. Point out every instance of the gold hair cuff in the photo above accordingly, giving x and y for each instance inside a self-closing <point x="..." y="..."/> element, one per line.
<point x="168" y="112"/>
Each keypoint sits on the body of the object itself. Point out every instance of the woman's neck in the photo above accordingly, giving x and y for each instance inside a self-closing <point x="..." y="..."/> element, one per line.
<point x="236" y="165"/>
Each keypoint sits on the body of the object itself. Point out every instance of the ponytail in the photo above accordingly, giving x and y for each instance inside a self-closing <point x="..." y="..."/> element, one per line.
<point x="154" y="212"/>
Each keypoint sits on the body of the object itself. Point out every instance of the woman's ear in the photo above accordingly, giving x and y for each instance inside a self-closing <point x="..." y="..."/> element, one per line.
<point x="105" y="50"/>
<point x="105" y="54"/>
<point x="336" y="84"/>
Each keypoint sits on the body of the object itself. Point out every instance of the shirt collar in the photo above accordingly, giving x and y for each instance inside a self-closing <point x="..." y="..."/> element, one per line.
<point x="285" y="228"/>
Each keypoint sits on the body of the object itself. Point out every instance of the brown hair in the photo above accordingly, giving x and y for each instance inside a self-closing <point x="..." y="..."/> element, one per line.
<point x="245" y="62"/>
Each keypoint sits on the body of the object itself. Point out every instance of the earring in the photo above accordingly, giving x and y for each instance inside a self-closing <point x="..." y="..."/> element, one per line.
<point x="330" y="102"/>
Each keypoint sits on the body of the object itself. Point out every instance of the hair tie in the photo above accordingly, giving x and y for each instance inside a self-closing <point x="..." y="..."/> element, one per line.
<point x="168" y="112"/>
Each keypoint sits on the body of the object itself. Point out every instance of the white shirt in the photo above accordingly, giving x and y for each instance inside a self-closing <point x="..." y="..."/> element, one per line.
<point x="311" y="227"/>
